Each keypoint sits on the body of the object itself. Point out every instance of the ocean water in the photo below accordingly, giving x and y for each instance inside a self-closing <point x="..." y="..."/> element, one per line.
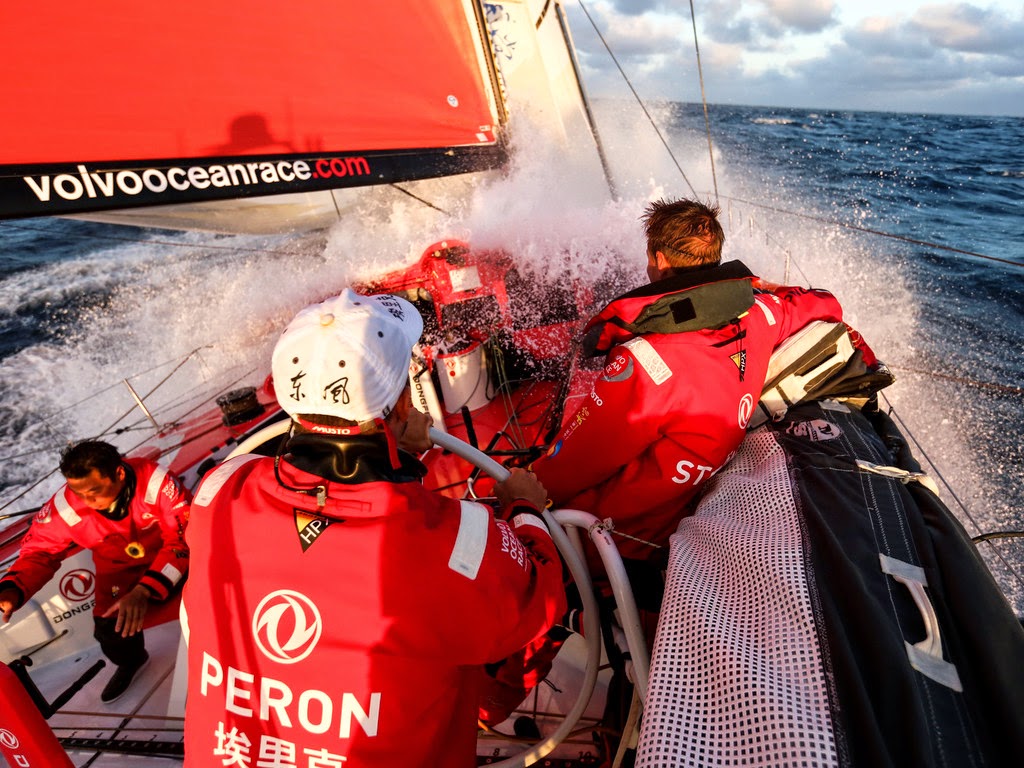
<point x="867" y="205"/>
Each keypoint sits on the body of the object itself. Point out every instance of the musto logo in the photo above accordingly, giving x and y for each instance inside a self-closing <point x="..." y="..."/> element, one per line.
<point x="287" y="626"/>
<point x="8" y="739"/>
<point x="77" y="585"/>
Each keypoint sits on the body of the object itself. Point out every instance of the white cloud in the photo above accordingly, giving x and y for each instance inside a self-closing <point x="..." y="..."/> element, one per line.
<point x="642" y="34"/>
<point x="843" y="54"/>
<point x="970" y="29"/>
<point x="803" y="15"/>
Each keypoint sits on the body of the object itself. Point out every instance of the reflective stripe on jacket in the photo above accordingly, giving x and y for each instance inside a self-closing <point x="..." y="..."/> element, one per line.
<point x="675" y="396"/>
<point x="356" y="630"/>
<point x="158" y="514"/>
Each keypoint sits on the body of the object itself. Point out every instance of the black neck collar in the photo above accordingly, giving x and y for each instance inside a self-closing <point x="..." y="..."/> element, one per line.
<point x="351" y="459"/>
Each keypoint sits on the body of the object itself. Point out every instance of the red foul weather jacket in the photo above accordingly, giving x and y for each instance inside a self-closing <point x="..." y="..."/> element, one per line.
<point x="158" y="512"/>
<point x="352" y="627"/>
<point x="686" y="362"/>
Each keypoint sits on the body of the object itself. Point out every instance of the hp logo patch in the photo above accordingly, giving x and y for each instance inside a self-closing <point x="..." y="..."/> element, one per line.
<point x="77" y="585"/>
<point x="287" y="626"/>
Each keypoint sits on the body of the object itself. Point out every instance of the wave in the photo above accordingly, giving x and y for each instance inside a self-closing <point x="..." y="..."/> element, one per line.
<point x="89" y="316"/>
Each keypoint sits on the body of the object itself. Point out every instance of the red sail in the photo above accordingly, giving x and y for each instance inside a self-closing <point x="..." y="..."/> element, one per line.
<point x="125" y="103"/>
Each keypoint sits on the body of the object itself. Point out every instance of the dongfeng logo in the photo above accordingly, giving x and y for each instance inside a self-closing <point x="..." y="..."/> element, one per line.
<point x="287" y="626"/>
<point x="746" y="410"/>
<point x="77" y="585"/>
<point x="8" y="739"/>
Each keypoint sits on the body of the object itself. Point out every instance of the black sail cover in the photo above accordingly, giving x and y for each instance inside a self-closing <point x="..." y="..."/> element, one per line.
<point x="824" y="612"/>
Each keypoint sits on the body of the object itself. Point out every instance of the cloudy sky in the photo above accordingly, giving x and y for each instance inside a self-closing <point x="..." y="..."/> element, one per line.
<point x="889" y="55"/>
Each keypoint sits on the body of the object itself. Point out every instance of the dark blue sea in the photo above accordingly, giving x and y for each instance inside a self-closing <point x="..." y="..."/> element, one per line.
<point x="916" y="222"/>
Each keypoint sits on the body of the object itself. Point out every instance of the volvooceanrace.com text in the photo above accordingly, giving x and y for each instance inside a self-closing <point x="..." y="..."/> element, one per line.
<point x="111" y="184"/>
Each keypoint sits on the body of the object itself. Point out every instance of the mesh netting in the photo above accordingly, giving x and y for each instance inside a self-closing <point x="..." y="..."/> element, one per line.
<point x="736" y="674"/>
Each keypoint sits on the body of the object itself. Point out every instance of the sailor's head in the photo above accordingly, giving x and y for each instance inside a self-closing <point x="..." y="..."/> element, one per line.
<point x="681" y="235"/>
<point x="95" y="472"/>
<point x="341" y="366"/>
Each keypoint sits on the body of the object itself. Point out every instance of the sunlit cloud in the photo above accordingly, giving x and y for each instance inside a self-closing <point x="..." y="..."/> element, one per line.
<point x="872" y="54"/>
<point x="971" y="29"/>
<point x="803" y="15"/>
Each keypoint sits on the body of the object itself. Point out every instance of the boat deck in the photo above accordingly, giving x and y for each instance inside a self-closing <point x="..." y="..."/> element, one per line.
<point x="145" y="726"/>
<point x="135" y="730"/>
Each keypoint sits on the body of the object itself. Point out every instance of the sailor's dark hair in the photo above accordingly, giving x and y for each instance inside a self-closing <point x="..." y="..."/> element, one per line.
<point x="686" y="231"/>
<point x="81" y="458"/>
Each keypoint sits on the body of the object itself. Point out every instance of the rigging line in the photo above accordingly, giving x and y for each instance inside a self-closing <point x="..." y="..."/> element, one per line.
<point x="1008" y="389"/>
<point x="177" y="421"/>
<point x="170" y="373"/>
<point x="704" y="101"/>
<point x="159" y="384"/>
<point x="163" y="408"/>
<point x="22" y="513"/>
<point x="419" y="199"/>
<point x="193" y="400"/>
<point x="512" y="424"/>
<point x="25" y="492"/>
<point x="13" y="456"/>
<point x="98" y="393"/>
<point x="905" y="427"/>
<point x="998" y="535"/>
<point x="557" y="410"/>
<point x="543" y="13"/>
<point x="769" y="239"/>
<point x="846" y="225"/>
<point x="996" y="553"/>
<point x="638" y="99"/>
<point x="928" y="458"/>
<point x="200" y="401"/>
<point x="59" y="437"/>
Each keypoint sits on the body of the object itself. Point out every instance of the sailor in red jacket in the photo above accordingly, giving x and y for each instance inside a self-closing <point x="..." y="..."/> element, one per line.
<point x="686" y="361"/>
<point x="132" y="515"/>
<point x="337" y="611"/>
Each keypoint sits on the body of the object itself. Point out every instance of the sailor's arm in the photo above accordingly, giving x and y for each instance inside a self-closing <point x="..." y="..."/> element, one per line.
<point x="130" y="610"/>
<point x="172" y="507"/>
<point x="524" y="568"/>
<point x="413" y="435"/>
<point x="45" y="546"/>
<point x="531" y="599"/>
<point x="10" y="599"/>
<point x="792" y="308"/>
<point x="607" y="432"/>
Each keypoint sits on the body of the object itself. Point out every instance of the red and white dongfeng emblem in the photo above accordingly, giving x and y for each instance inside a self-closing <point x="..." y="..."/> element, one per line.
<point x="78" y="585"/>
<point x="746" y="410"/>
<point x="287" y="626"/>
<point x="8" y="739"/>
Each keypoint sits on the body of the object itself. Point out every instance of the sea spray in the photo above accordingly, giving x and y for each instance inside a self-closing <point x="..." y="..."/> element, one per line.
<point x="95" y="311"/>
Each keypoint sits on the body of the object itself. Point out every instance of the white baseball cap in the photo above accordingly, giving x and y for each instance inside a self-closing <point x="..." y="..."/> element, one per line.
<point x="346" y="357"/>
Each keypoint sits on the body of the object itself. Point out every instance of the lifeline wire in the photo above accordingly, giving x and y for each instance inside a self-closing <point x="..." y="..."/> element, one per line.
<point x="638" y="99"/>
<point x="704" y="101"/>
